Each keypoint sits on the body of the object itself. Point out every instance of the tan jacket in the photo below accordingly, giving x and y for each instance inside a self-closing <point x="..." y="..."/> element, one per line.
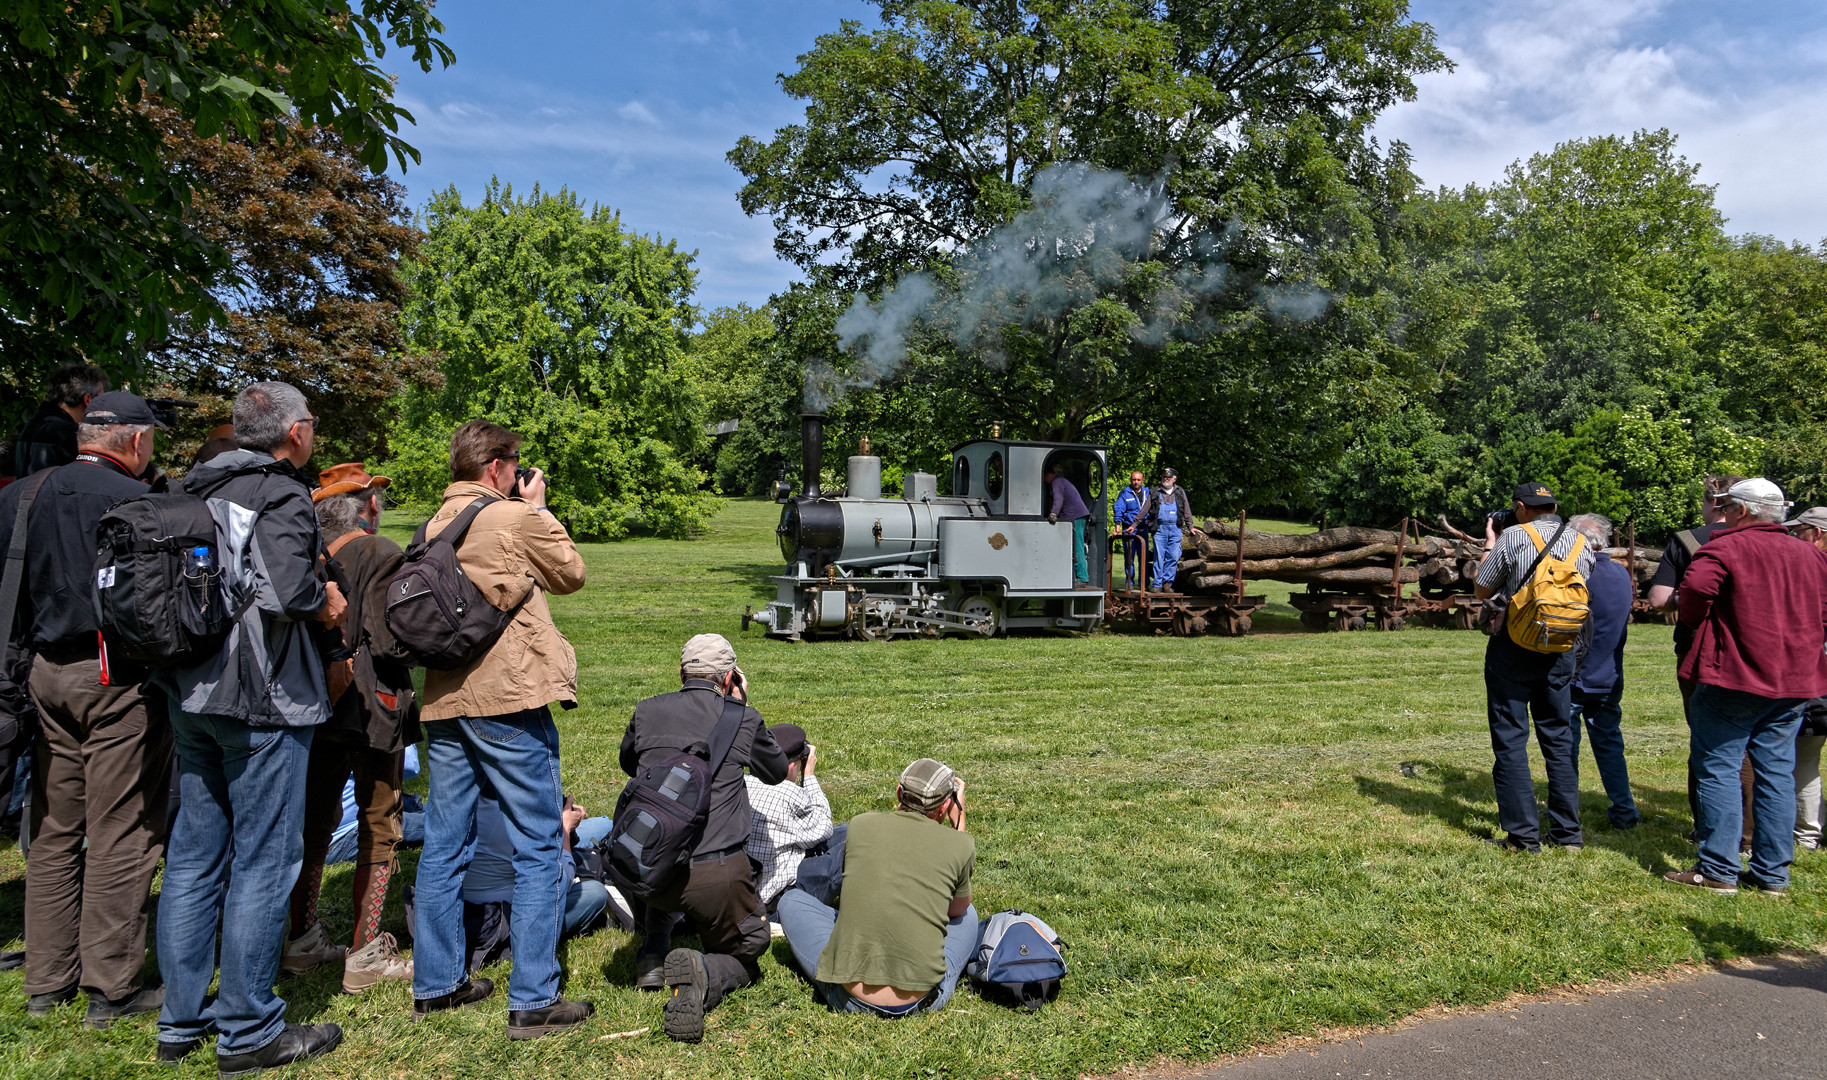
<point x="512" y="549"/>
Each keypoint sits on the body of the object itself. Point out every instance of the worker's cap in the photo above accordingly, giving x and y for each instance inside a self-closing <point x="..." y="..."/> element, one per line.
<point x="707" y="654"/>
<point x="120" y="407"/>
<point x="792" y="740"/>
<point x="1533" y="494"/>
<point x="346" y="479"/>
<point x="926" y="783"/>
<point x="1815" y="517"/>
<point x="1170" y="472"/>
<point x="1759" y="494"/>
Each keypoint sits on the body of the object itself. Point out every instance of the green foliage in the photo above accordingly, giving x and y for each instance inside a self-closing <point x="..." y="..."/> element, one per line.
<point x="558" y="323"/>
<point x="726" y="361"/>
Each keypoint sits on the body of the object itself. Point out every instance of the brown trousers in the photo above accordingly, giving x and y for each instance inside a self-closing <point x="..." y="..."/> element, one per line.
<point x="378" y="778"/>
<point x="100" y="772"/>
<point x="1746" y="776"/>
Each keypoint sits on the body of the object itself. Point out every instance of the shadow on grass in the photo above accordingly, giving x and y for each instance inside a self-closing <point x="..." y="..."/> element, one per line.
<point x="1454" y="803"/>
<point x="1728" y="941"/>
<point x="12" y="909"/>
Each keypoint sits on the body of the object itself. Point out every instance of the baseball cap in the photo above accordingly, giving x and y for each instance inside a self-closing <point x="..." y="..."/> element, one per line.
<point x="707" y="654"/>
<point x="120" y="407"/>
<point x="926" y="783"/>
<point x="1815" y="517"/>
<point x="1759" y="492"/>
<point x="1170" y="472"/>
<point x="1534" y="494"/>
<point x="345" y="479"/>
<point x="792" y="739"/>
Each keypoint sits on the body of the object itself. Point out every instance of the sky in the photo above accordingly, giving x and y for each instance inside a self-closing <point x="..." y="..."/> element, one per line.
<point x="635" y="105"/>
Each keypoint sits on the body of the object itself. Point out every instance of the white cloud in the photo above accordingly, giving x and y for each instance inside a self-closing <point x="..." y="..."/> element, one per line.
<point x="638" y="113"/>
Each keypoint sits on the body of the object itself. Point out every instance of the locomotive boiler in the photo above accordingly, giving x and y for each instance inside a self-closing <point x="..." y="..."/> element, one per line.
<point x="981" y="560"/>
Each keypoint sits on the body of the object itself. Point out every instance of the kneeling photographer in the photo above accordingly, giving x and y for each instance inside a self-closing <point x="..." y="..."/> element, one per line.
<point x="1538" y="566"/>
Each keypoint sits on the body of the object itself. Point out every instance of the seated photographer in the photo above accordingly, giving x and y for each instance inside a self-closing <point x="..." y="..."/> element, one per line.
<point x="907" y="926"/>
<point x="791" y="819"/>
<point x="490" y="877"/>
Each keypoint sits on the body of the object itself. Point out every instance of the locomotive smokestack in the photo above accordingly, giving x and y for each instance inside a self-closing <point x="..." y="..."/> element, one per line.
<point x="811" y="450"/>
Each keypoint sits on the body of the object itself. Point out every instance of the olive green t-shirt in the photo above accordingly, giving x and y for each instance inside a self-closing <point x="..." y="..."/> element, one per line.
<point x="901" y="873"/>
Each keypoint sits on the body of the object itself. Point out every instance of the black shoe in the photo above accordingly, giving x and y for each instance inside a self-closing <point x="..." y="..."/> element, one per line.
<point x="532" y="1023"/>
<point x="170" y="1053"/>
<point x="42" y="1004"/>
<point x="103" y="1012"/>
<point x="1746" y="881"/>
<point x="12" y="958"/>
<point x="1511" y="843"/>
<point x="1626" y="826"/>
<point x="296" y="1043"/>
<point x="472" y="991"/>
<point x="650" y="972"/>
<point x="686" y="976"/>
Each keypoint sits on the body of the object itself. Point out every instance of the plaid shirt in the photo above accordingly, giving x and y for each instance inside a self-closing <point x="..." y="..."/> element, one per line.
<point x="789" y="819"/>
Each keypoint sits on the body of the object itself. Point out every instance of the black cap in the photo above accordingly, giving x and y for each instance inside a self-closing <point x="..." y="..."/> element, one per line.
<point x="1170" y="472"/>
<point x="120" y="407"/>
<point x="1533" y="494"/>
<point x="792" y="740"/>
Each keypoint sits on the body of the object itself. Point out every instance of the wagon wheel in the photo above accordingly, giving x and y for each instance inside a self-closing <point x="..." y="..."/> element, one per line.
<point x="1349" y="621"/>
<point x="1186" y="624"/>
<point x="1465" y="618"/>
<point x="1234" y="624"/>
<point x="1389" y="621"/>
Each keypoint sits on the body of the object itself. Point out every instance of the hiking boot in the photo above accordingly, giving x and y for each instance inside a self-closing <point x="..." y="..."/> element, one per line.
<point x="103" y="1012"/>
<point x="171" y="1053"/>
<point x="532" y="1023"/>
<point x="472" y="991"/>
<point x="377" y="960"/>
<point x="296" y="1043"/>
<point x="310" y="951"/>
<point x="1511" y="843"/>
<point x="1696" y="879"/>
<point x="650" y="971"/>
<point x="42" y="1004"/>
<point x="687" y="979"/>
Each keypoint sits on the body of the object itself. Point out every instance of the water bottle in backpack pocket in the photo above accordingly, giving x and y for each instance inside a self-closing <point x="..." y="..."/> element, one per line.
<point x="161" y="596"/>
<point x="1019" y="960"/>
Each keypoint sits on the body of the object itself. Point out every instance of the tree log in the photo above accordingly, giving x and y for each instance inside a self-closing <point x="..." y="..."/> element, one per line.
<point x="1644" y="554"/>
<point x="1262" y="545"/>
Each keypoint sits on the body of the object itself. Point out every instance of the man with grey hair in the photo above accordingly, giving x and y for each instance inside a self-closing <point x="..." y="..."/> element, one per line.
<point x="244" y="721"/>
<point x="1757" y="600"/>
<point x="718" y="892"/>
<point x="1598" y="681"/>
<point x="102" y="760"/>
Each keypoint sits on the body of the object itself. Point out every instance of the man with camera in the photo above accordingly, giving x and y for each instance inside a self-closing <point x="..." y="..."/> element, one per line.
<point x="717" y="894"/>
<point x="491" y="718"/>
<point x="906" y="927"/>
<point x="1521" y="682"/>
<point x="790" y="819"/>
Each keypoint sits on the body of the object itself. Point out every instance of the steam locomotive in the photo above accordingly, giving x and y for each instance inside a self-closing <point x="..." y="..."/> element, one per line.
<point x="980" y="561"/>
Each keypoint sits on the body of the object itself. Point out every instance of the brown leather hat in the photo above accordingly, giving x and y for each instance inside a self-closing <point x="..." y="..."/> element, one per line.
<point x="345" y="479"/>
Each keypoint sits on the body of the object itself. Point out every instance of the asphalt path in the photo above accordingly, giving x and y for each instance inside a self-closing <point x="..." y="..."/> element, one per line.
<point x="1763" y="1019"/>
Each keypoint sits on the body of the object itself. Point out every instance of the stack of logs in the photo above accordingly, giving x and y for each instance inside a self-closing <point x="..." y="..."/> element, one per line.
<point x="1348" y="559"/>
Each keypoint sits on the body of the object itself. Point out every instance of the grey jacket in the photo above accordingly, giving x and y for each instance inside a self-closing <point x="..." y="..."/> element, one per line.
<point x="269" y="673"/>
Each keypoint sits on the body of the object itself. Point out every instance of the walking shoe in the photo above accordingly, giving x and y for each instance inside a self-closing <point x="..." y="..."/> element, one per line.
<point x="686" y="977"/>
<point x="309" y="951"/>
<point x="1511" y="843"/>
<point x="377" y="960"/>
<point x="622" y="911"/>
<point x="650" y="971"/>
<point x="171" y="1053"/>
<point x="15" y="958"/>
<point x="103" y="1012"/>
<point x="41" y="1004"/>
<point x="1700" y="881"/>
<point x="532" y="1023"/>
<point x="472" y="991"/>
<point x="296" y="1043"/>
<point x="1746" y="881"/>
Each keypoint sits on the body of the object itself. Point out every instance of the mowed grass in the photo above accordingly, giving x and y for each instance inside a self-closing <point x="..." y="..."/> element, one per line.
<point x="1239" y="839"/>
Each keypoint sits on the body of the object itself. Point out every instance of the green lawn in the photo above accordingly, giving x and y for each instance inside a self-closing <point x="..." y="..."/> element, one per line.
<point x="1239" y="838"/>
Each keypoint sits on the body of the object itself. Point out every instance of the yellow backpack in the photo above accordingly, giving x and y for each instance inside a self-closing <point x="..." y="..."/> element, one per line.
<point x="1546" y="614"/>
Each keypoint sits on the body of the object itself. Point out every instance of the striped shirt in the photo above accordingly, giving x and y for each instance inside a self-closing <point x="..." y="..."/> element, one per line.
<point x="1504" y="567"/>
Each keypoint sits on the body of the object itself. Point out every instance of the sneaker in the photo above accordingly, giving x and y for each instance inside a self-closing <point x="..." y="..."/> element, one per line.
<point x="1511" y="843"/>
<point x="686" y="977"/>
<point x="296" y="1043"/>
<point x="775" y="930"/>
<point x="377" y="960"/>
<point x="650" y="971"/>
<point x="171" y="1053"/>
<point x="103" y="1012"/>
<point x="1746" y="881"/>
<point x="42" y="1004"/>
<point x="1698" y="880"/>
<point x="533" y="1023"/>
<point x="310" y="951"/>
<point x="472" y="991"/>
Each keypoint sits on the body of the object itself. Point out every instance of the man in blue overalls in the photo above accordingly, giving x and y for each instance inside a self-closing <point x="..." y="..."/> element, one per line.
<point x="1167" y="514"/>
<point x="1128" y="513"/>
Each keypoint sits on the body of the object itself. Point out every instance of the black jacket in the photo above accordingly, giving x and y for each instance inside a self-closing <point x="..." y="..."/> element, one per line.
<point x="47" y="440"/>
<point x="673" y="722"/>
<point x="1151" y="510"/>
<point x="56" y="606"/>
<point x="378" y="710"/>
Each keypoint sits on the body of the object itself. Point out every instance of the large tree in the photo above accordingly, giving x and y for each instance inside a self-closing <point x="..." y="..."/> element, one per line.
<point x="97" y="251"/>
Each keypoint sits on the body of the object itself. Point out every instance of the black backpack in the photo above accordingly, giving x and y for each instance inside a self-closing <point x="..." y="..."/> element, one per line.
<point x="160" y="595"/>
<point x="660" y="816"/>
<point x="435" y="613"/>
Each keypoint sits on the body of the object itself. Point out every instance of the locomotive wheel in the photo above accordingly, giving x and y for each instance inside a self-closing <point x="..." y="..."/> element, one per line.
<point x="980" y="607"/>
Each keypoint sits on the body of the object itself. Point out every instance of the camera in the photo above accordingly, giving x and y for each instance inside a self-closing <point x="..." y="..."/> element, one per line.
<point x="523" y="477"/>
<point x="1502" y="519"/>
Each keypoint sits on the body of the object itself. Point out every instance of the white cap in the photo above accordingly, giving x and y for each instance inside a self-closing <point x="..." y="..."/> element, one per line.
<point x="707" y="654"/>
<point x="1759" y="494"/>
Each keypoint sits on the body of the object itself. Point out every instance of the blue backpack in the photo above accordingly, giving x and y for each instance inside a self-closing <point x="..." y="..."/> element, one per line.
<point x="1019" y="960"/>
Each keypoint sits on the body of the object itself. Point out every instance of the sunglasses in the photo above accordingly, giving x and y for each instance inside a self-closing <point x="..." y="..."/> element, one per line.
<point x="311" y="420"/>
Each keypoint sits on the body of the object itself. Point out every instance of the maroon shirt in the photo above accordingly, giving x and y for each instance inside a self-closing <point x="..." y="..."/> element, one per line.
<point x="1757" y="599"/>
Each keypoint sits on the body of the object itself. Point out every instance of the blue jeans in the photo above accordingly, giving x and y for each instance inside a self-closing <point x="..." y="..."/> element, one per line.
<point x="234" y="854"/>
<point x="1726" y="725"/>
<point x="1603" y="718"/>
<point x="808" y="922"/>
<point x="518" y="754"/>
<point x="1167" y="556"/>
<point x="1521" y="684"/>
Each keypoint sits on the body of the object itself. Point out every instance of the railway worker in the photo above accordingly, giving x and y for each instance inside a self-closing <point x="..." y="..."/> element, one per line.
<point x="1066" y="502"/>
<point x="1166" y="515"/>
<point x="1520" y="683"/>
<point x="1598" y="682"/>
<point x="718" y="894"/>
<point x="791" y="819"/>
<point x="1128" y="514"/>
<point x="1755" y="597"/>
